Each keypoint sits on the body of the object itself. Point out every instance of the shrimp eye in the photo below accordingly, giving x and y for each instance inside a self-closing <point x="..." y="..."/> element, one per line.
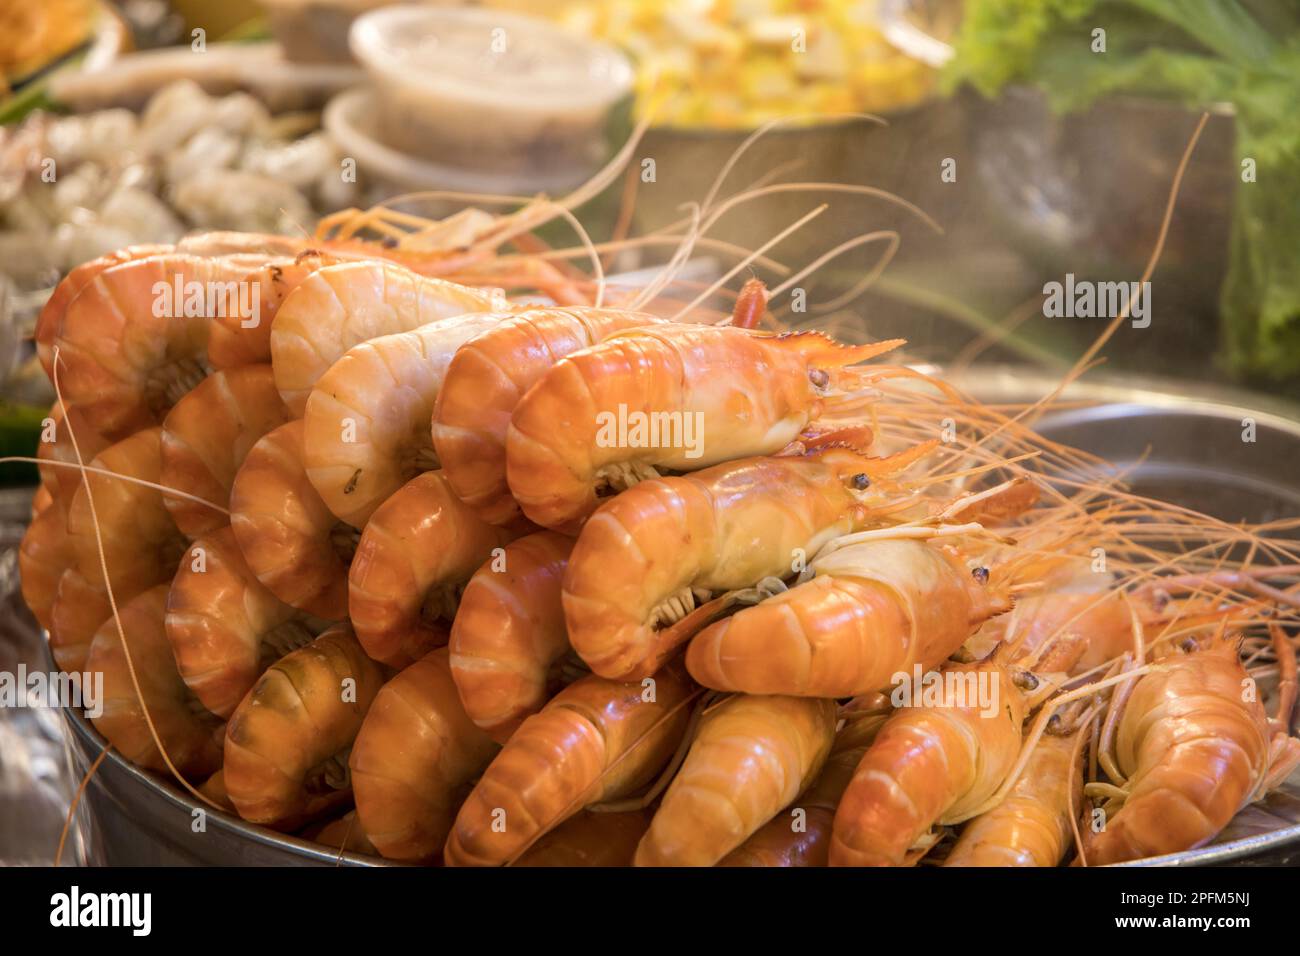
<point x="980" y="574"/>
<point x="861" y="482"/>
<point x="1189" y="645"/>
<point x="1025" y="680"/>
<point x="819" y="377"/>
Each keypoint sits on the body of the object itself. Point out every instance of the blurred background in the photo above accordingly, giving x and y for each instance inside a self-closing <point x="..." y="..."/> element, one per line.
<point x="1010" y="143"/>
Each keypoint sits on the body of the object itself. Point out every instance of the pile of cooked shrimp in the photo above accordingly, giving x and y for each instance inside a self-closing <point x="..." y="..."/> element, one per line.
<point x="415" y="568"/>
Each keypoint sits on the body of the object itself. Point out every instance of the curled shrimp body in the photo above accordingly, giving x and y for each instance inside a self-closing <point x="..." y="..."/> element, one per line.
<point x="224" y="626"/>
<point x="667" y="397"/>
<point x="780" y="842"/>
<point x="934" y="763"/>
<point x="207" y="435"/>
<point x="415" y="554"/>
<point x="414" y="759"/>
<point x="646" y="556"/>
<point x="140" y="542"/>
<point x="45" y="553"/>
<point x="80" y="606"/>
<point x="57" y="451"/>
<point x="1195" y="748"/>
<point x="590" y="839"/>
<point x="287" y="743"/>
<point x="509" y="633"/>
<point x="1031" y="826"/>
<point x="135" y="339"/>
<point x="189" y="733"/>
<point x="597" y="740"/>
<point x="291" y="542"/>
<point x="871" y="610"/>
<point x="751" y="756"/>
<point x="485" y="381"/>
<point x="343" y="305"/>
<point x="367" y="419"/>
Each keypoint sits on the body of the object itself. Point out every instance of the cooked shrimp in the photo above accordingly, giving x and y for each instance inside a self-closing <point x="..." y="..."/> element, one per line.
<point x="140" y="542"/>
<point x="341" y="306"/>
<point x="414" y="760"/>
<point x="802" y="836"/>
<point x="45" y="553"/>
<point x="933" y="763"/>
<point x="189" y="733"/>
<point x="288" y="741"/>
<point x="667" y="397"/>
<point x="292" y="543"/>
<point x="484" y="383"/>
<point x="871" y="610"/>
<point x="1031" y="826"/>
<point x="367" y="419"/>
<point x="56" y="448"/>
<point x="597" y="740"/>
<point x="646" y="556"/>
<point x="590" y="839"/>
<point x="224" y="626"/>
<point x="750" y="757"/>
<point x="1195" y="748"/>
<point x="130" y="344"/>
<point x="416" y="553"/>
<point x="206" y="437"/>
<point x="80" y="606"/>
<point x="509" y="633"/>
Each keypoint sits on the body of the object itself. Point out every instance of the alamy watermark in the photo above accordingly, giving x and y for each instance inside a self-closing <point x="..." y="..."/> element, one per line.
<point x="635" y="429"/>
<point x="55" y="689"/>
<point x="182" y="298"/>
<point x="1081" y="299"/>
<point x="975" y="689"/>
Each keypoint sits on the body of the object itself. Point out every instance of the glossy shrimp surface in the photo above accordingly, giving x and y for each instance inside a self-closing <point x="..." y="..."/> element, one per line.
<point x="45" y="553"/>
<point x="340" y="306"/>
<point x="207" y="435"/>
<point x="597" y="740"/>
<point x="224" y="626"/>
<point x="287" y="743"/>
<point x="367" y="418"/>
<point x="669" y="397"/>
<point x="189" y="733"/>
<point x="590" y="839"/>
<point x="414" y="759"/>
<point x="415" y="554"/>
<point x="751" y="756"/>
<point x="1196" y="747"/>
<point x="58" y="452"/>
<point x="486" y="380"/>
<point x="934" y="763"/>
<point x="291" y="542"/>
<point x="130" y="346"/>
<point x="647" y="556"/>
<point x="80" y="607"/>
<point x="509" y="633"/>
<point x="1031" y="826"/>
<point x="871" y="610"/>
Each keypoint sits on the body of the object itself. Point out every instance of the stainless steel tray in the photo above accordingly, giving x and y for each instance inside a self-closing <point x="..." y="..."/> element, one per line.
<point x="1194" y="455"/>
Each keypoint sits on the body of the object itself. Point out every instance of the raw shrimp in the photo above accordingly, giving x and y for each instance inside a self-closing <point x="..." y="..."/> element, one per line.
<point x="292" y="543"/>
<point x="287" y="743"/>
<point x="1195" y="747"/>
<point x="509" y="633"/>
<point x="414" y="760"/>
<point x="872" y="609"/>
<point x="367" y="418"/>
<point x="141" y="544"/>
<point x="597" y="740"/>
<point x="341" y="306"/>
<point x="667" y="397"/>
<point x="415" y="554"/>
<point x="131" y="344"/>
<point x="45" y="554"/>
<point x="189" y="733"/>
<point x="646" y="556"/>
<point x="932" y="762"/>
<point x="590" y="839"/>
<point x="1031" y="826"/>
<point x="750" y="757"/>
<point x="224" y="626"/>
<point x="485" y="381"/>
<point x="207" y="435"/>
<point x="80" y="607"/>
<point x="780" y="842"/>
